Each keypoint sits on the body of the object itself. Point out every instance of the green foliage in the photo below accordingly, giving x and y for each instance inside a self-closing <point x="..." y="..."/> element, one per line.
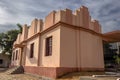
<point x="7" y="39"/>
<point x="117" y="59"/>
<point x="20" y="27"/>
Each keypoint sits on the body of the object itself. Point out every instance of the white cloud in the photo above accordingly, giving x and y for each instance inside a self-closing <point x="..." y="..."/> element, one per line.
<point x="23" y="11"/>
<point x="106" y="11"/>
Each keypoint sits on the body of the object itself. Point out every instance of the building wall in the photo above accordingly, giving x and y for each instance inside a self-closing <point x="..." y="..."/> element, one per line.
<point x="35" y="28"/>
<point x="67" y="47"/>
<point x="76" y="43"/>
<point x="91" y="51"/>
<point x="15" y="61"/>
<point x="5" y="60"/>
<point x="80" y="49"/>
<point x="32" y="61"/>
<point x="54" y="59"/>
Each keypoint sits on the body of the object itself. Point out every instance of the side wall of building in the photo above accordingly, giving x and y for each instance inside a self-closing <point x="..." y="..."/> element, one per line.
<point x="91" y="51"/>
<point x="80" y="49"/>
<point x="4" y="60"/>
<point x="52" y="60"/>
<point x="16" y="56"/>
<point x="32" y="61"/>
<point x="67" y="47"/>
<point x="76" y="43"/>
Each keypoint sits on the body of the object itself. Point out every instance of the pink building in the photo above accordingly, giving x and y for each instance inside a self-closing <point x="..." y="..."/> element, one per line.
<point x="64" y="42"/>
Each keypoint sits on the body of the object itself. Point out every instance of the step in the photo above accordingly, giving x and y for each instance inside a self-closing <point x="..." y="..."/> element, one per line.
<point x="15" y="70"/>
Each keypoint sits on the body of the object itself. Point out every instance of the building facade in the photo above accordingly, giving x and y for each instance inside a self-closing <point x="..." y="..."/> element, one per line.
<point x="4" y="60"/>
<point x="64" y="42"/>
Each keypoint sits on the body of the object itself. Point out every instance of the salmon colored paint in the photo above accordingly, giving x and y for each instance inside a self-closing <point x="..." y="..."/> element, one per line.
<point x="77" y="44"/>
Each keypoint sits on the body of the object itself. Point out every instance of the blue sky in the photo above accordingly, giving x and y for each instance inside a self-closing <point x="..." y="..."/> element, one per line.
<point x="24" y="11"/>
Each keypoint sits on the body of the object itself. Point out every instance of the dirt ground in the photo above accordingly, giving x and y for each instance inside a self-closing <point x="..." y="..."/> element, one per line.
<point x="72" y="76"/>
<point x="87" y="75"/>
<point x="4" y="76"/>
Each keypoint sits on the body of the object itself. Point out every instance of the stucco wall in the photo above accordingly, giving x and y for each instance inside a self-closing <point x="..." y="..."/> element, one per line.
<point x="67" y="47"/>
<point x="5" y="59"/>
<point x="16" y="62"/>
<point x="24" y="33"/>
<point x="18" y="40"/>
<point x="53" y="60"/>
<point x="91" y="52"/>
<point x="32" y="61"/>
<point x="80" y="49"/>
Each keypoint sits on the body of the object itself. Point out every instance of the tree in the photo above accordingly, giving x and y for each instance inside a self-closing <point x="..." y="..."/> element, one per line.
<point x="117" y="59"/>
<point x="20" y="27"/>
<point x="6" y="41"/>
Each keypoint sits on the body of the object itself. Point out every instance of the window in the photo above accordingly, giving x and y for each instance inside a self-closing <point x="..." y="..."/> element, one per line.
<point x="1" y="61"/>
<point x="48" y="50"/>
<point x="31" y="50"/>
<point x="16" y="54"/>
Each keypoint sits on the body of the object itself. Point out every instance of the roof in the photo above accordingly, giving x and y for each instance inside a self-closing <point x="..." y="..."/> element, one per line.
<point x="113" y="36"/>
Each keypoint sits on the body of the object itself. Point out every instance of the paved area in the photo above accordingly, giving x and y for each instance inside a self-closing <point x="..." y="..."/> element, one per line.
<point x="109" y="78"/>
<point x="98" y="78"/>
<point x="4" y="76"/>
